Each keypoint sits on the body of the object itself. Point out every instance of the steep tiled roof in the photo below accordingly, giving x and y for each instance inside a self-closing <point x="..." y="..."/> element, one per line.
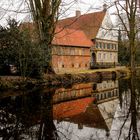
<point x="77" y="31"/>
<point x="80" y="111"/>
<point x="89" y="23"/>
<point x="63" y="36"/>
<point x="71" y="37"/>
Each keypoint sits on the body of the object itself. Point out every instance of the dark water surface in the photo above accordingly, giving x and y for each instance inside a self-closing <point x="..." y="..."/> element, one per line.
<point x="109" y="110"/>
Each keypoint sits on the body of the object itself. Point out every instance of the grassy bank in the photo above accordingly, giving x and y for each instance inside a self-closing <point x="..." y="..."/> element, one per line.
<point x="65" y="79"/>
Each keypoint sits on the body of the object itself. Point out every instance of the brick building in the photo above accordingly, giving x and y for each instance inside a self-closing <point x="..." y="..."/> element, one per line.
<point x="71" y="50"/>
<point x="83" y="42"/>
<point x="97" y="27"/>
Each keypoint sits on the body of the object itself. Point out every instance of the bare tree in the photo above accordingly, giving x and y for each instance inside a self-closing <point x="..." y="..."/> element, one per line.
<point x="129" y="8"/>
<point x="45" y="15"/>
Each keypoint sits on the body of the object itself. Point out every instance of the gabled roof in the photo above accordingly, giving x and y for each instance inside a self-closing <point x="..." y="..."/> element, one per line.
<point x="63" y="36"/>
<point x="80" y="111"/>
<point x="71" y="37"/>
<point x="77" y="31"/>
<point x="89" y="23"/>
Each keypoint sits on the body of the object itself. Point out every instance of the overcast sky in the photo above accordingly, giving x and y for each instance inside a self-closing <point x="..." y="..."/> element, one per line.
<point x="85" y="6"/>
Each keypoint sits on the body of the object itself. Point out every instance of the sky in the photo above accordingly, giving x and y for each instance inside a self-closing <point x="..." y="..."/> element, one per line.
<point x="85" y="6"/>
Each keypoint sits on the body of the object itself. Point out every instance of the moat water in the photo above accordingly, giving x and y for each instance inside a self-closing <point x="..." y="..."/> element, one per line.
<point x="108" y="110"/>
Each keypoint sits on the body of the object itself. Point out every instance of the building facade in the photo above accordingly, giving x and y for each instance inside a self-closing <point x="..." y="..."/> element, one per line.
<point x="98" y="28"/>
<point x="105" y="54"/>
<point x="83" y="42"/>
<point x="71" y="51"/>
<point x="105" y="51"/>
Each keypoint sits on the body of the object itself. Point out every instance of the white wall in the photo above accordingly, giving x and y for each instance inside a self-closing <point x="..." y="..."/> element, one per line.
<point x="106" y="57"/>
<point x="106" y="30"/>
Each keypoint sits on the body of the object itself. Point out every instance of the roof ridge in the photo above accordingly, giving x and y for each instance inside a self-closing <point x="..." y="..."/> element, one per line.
<point x="85" y="14"/>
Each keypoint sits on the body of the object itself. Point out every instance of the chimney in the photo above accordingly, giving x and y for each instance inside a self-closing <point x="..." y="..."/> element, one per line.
<point x="105" y="7"/>
<point x="78" y="13"/>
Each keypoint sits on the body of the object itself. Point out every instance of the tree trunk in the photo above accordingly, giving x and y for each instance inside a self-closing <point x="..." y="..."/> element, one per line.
<point x="133" y="108"/>
<point x="48" y="65"/>
<point x="132" y="57"/>
<point x="45" y="14"/>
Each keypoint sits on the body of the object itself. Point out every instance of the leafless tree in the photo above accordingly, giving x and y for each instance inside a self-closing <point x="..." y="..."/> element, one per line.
<point x="129" y="8"/>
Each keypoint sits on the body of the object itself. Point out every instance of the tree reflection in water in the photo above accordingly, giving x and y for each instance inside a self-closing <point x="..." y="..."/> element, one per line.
<point x="28" y="117"/>
<point x="132" y="111"/>
<point x="47" y="129"/>
<point x="31" y="116"/>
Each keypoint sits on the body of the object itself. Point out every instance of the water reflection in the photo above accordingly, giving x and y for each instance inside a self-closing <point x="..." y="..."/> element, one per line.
<point x="127" y="115"/>
<point x="86" y="111"/>
<point x="28" y="117"/>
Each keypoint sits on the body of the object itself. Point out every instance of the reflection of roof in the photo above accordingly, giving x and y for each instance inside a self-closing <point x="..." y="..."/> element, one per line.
<point x="89" y="23"/>
<point x="91" y="118"/>
<point x="80" y="111"/>
<point x="71" y="37"/>
<point x="71" y="108"/>
<point x="108" y="109"/>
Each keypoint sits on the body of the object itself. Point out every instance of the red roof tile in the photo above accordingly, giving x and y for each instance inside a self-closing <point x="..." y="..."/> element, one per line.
<point x="89" y="23"/>
<point x="71" y="108"/>
<point x="71" y="37"/>
<point x="78" y="31"/>
<point x="80" y="111"/>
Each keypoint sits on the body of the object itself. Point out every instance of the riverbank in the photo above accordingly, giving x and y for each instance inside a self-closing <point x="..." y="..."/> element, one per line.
<point x="96" y="75"/>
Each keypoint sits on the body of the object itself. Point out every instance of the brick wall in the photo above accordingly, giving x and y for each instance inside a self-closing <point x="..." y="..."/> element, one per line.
<point x="67" y="59"/>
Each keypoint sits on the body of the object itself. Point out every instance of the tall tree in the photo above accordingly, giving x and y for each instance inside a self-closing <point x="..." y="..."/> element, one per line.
<point x="45" y="15"/>
<point x="123" y="50"/>
<point x="129" y="8"/>
<point x="16" y="48"/>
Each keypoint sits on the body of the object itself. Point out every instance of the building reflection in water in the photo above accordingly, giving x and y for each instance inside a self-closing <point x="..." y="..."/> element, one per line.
<point x="102" y="91"/>
<point x="126" y="123"/>
<point x="86" y="111"/>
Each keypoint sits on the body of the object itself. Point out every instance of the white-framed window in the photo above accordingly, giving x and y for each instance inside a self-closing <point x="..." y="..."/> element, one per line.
<point x="114" y="58"/>
<point x="104" y="56"/>
<point x="100" y="44"/>
<point x="97" y="44"/>
<point x="108" y="46"/>
<point x="104" y="45"/>
<point x="111" y="56"/>
<point x="115" y="47"/>
<point x="112" y="46"/>
<point x="100" y="55"/>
